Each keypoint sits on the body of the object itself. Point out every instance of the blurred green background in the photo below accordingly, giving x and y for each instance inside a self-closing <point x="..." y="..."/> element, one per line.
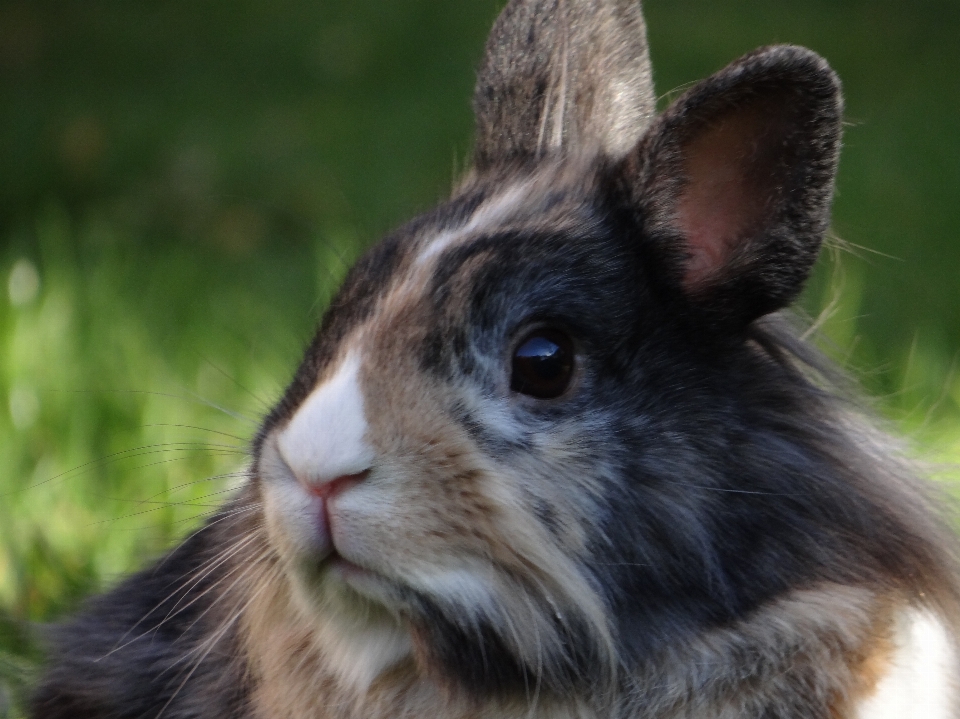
<point x="182" y="185"/>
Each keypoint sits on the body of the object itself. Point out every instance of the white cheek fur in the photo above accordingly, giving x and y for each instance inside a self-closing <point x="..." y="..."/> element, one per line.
<point x="355" y="512"/>
<point x="325" y="439"/>
<point x="294" y="517"/>
<point x="920" y="683"/>
<point x="360" y="656"/>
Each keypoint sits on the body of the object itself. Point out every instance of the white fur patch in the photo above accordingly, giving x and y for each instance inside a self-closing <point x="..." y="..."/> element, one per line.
<point x="922" y="677"/>
<point x="293" y="516"/>
<point x="361" y="656"/>
<point x="491" y="212"/>
<point x="326" y="438"/>
<point x="469" y="587"/>
<point x="358" y="648"/>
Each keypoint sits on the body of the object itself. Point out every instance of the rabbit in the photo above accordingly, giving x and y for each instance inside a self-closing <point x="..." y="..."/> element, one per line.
<point x="556" y="451"/>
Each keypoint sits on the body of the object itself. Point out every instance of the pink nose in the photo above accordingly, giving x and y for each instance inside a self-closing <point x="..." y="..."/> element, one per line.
<point x="333" y="487"/>
<point x="325" y="491"/>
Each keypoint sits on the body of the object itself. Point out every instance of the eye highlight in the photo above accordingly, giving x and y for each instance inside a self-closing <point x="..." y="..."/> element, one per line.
<point x="543" y="364"/>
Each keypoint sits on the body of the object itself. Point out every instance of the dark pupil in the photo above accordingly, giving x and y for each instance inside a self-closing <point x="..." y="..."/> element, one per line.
<point x="543" y="365"/>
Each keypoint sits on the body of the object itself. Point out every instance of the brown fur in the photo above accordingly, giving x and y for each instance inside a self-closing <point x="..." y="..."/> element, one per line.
<point x="831" y="644"/>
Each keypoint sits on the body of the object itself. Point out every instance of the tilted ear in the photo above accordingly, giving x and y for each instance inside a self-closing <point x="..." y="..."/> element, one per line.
<point x="560" y="76"/>
<point x="733" y="183"/>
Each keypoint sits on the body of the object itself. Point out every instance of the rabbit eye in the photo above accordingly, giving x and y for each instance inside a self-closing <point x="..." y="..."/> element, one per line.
<point x="543" y="364"/>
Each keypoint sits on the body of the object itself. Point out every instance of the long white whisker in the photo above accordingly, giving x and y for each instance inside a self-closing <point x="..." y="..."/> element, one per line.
<point x="182" y="587"/>
<point x="212" y="642"/>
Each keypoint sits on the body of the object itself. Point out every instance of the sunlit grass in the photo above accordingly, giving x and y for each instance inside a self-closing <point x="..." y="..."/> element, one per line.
<point x="127" y="411"/>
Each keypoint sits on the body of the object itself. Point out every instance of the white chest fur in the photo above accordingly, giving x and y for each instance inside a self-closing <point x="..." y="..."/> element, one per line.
<point x="921" y="680"/>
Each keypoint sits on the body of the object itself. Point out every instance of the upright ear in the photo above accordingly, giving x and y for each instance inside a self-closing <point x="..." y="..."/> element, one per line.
<point x="561" y="75"/>
<point x="733" y="183"/>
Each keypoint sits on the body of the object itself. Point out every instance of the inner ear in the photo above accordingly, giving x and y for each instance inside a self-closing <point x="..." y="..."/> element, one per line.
<point x="734" y="176"/>
<point x="730" y="188"/>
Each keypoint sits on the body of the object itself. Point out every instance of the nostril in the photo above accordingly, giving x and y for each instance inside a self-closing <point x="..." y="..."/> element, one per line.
<point x="333" y="487"/>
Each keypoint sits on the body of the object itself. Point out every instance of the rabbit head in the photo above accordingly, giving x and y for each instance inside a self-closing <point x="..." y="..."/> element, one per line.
<point x="543" y="432"/>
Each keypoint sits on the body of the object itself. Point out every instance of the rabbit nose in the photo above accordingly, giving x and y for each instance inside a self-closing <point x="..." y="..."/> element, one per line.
<point x="326" y="490"/>
<point x="325" y="444"/>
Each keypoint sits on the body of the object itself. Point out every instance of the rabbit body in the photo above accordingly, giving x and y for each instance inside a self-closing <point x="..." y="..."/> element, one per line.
<point x="550" y="454"/>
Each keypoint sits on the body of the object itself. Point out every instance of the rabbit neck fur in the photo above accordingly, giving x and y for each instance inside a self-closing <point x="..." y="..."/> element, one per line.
<point x="847" y="652"/>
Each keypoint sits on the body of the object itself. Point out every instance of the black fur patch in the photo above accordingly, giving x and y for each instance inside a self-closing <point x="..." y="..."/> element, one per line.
<point x="146" y="649"/>
<point x="475" y="655"/>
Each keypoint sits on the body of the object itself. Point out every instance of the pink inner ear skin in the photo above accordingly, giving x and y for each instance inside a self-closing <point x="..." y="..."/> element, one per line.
<point x="724" y="197"/>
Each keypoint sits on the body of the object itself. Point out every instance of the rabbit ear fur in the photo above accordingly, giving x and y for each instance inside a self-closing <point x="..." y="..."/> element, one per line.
<point x="561" y="76"/>
<point x="732" y="185"/>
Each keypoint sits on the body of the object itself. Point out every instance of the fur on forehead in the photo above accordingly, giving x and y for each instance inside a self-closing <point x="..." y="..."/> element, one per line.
<point x="543" y="215"/>
<point x="546" y="196"/>
<point x="554" y="197"/>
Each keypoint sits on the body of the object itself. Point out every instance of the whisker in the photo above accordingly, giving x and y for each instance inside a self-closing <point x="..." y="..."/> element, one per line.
<point x="200" y="429"/>
<point x="245" y="570"/>
<point x="213" y="477"/>
<point x="212" y="642"/>
<point x="196" y="502"/>
<point x="212" y="512"/>
<point x="219" y="558"/>
<point x="263" y="403"/>
<point x="133" y="452"/>
<point x="187" y="397"/>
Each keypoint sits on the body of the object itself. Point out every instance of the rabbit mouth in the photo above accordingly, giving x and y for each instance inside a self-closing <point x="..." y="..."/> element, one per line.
<point x="305" y="529"/>
<point x="362" y="563"/>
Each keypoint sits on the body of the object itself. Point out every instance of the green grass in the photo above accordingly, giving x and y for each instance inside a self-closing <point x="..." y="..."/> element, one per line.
<point x="189" y="182"/>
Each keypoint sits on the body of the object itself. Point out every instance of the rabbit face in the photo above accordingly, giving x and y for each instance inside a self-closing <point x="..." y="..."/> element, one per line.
<point x="470" y="508"/>
<point x="546" y="455"/>
<point x="537" y="439"/>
